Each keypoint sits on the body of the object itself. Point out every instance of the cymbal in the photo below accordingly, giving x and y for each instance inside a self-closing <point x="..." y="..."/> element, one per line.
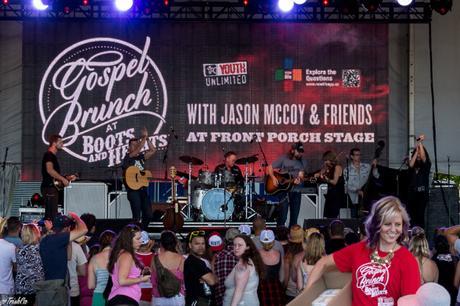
<point x="184" y="174"/>
<point x="191" y="160"/>
<point x="246" y="160"/>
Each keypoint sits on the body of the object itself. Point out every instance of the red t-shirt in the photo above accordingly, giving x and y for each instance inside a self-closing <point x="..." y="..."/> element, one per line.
<point x="146" y="259"/>
<point x="374" y="284"/>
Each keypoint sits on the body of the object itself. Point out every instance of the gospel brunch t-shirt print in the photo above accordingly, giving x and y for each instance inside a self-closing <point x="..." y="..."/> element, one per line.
<point x="95" y="91"/>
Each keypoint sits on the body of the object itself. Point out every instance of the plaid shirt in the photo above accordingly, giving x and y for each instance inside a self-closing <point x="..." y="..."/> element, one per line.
<point x="224" y="264"/>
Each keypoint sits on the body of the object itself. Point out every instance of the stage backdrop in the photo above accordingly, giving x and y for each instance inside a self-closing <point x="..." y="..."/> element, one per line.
<point x="201" y="89"/>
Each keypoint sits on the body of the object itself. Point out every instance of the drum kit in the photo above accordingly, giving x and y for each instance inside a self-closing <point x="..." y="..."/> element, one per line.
<point x="218" y="196"/>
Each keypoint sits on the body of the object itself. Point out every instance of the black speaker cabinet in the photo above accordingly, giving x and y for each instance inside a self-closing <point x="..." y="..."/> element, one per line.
<point x="438" y="213"/>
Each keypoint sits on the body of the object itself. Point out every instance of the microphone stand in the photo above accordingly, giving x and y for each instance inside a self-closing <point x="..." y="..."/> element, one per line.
<point x="397" y="177"/>
<point x="4" y="181"/>
<point x="165" y="155"/>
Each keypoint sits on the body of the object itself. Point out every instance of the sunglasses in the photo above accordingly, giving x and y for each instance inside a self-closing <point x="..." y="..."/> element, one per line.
<point x="196" y="234"/>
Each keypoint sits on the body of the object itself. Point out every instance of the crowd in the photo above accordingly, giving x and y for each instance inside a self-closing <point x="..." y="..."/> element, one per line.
<point x="65" y="263"/>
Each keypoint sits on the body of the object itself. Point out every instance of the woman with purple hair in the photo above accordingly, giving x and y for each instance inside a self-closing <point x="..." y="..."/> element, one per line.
<point x="382" y="268"/>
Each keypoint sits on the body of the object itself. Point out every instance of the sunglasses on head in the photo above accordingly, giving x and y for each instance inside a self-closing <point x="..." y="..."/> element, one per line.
<point x="196" y="234"/>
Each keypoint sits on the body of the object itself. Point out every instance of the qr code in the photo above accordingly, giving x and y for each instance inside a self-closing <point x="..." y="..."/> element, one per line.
<point x="351" y="78"/>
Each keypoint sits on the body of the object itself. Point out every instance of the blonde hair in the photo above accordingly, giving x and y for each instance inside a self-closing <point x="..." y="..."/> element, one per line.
<point x="383" y="210"/>
<point x="418" y="246"/>
<point x="315" y="248"/>
<point x="2" y="225"/>
<point x="30" y="234"/>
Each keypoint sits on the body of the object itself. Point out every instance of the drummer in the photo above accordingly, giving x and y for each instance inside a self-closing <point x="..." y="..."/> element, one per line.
<point x="231" y="168"/>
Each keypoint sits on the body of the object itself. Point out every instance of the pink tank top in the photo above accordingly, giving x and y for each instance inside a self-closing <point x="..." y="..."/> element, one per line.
<point x="132" y="291"/>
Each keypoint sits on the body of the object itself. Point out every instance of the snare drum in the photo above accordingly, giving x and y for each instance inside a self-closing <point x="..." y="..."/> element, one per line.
<point x="217" y="204"/>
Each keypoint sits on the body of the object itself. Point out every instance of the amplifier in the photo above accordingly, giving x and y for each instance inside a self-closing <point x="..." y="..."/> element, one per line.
<point x="118" y="206"/>
<point x="83" y="197"/>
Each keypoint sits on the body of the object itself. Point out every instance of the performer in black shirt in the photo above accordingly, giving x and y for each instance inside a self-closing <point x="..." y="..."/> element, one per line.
<point x="138" y="199"/>
<point x="419" y="173"/>
<point x="50" y="173"/>
<point x="229" y="167"/>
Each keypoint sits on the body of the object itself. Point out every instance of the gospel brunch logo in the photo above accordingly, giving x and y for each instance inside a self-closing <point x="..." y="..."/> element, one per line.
<point x="97" y="93"/>
<point x="220" y="74"/>
<point x="372" y="279"/>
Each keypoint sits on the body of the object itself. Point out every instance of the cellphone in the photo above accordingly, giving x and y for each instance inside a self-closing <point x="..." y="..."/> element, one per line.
<point x="146" y="271"/>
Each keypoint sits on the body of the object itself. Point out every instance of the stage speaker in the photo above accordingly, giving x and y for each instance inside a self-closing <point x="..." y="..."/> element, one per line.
<point x="119" y="207"/>
<point x="439" y="214"/>
<point x="81" y="198"/>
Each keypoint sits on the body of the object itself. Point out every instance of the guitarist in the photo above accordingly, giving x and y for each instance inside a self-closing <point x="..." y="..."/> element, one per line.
<point x="138" y="199"/>
<point x="356" y="176"/>
<point x="51" y="172"/>
<point x="294" y="164"/>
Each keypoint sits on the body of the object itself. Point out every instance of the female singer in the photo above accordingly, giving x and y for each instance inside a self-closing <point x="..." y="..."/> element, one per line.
<point x="331" y="173"/>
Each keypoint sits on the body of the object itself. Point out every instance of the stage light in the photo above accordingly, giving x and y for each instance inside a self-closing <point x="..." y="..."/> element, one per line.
<point x="441" y="6"/>
<point x="36" y="200"/>
<point x="405" y="2"/>
<point x="285" y="5"/>
<point x="123" y="5"/>
<point x="245" y="2"/>
<point x="85" y="2"/>
<point x="371" y="5"/>
<point x="5" y="2"/>
<point x="38" y="4"/>
<point x="300" y="2"/>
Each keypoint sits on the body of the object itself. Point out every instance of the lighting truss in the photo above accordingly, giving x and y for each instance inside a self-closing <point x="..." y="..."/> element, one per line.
<point x="256" y="11"/>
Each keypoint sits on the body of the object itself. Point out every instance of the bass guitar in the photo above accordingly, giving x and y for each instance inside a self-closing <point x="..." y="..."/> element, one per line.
<point x="135" y="179"/>
<point x="173" y="219"/>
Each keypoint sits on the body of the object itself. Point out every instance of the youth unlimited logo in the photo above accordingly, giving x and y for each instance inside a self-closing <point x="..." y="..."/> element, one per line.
<point x="97" y="92"/>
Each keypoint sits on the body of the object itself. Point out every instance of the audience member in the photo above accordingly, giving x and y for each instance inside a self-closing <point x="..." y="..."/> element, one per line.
<point x="29" y="263"/>
<point x="216" y="244"/>
<point x="291" y="259"/>
<point x="314" y="251"/>
<point x="54" y="253"/>
<point x="170" y="259"/>
<point x="76" y="266"/>
<point x="98" y="275"/>
<point x="282" y="235"/>
<point x="245" y="229"/>
<point x="336" y="239"/>
<point x="13" y="229"/>
<point x="197" y="272"/>
<point x="259" y="225"/>
<point x="446" y="264"/>
<point x="125" y="269"/>
<point x="7" y="263"/>
<point x="225" y="261"/>
<point x="242" y="283"/>
<point x="145" y="256"/>
<point x="418" y="246"/>
<point x="90" y="221"/>
<point x="270" y="288"/>
<point x="382" y="269"/>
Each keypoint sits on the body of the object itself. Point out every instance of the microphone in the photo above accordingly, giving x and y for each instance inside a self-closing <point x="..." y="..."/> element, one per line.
<point x="224" y="207"/>
<point x="418" y="139"/>
<point x="223" y="149"/>
<point x="173" y="132"/>
<point x="254" y="137"/>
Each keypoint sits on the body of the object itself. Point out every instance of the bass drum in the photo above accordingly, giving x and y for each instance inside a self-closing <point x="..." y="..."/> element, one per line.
<point x="217" y="204"/>
<point x="197" y="197"/>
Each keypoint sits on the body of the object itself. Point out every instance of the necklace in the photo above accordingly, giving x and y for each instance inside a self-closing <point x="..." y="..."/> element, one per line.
<point x="375" y="258"/>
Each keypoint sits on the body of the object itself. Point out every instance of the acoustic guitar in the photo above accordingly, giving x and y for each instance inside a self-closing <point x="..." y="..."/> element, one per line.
<point x="285" y="182"/>
<point x="135" y="179"/>
<point x="173" y="219"/>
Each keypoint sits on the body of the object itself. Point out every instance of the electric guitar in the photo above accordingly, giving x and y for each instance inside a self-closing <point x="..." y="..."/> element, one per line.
<point x="60" y="186"/>
<point x="135" y="179"/>
<point x="173" y="219"/>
